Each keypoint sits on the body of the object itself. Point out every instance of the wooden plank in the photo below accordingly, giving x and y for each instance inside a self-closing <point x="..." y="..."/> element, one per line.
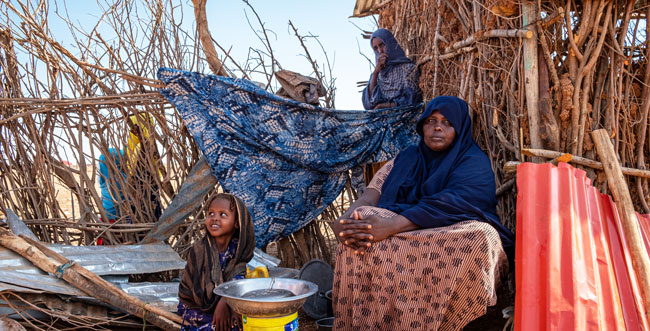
<point x="562" y="157"/>
<point x="629" y="220"/>
<point x="531" y="75"/>
<point x="206" y="40"/>
<point x="74" y="278"/>
<point x="102" y="282"/>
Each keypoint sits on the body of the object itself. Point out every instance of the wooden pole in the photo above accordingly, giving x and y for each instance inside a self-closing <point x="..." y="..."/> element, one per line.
<point x="629" y="220"/>
<point x="102" y="282"/>
<point x="531" y="75"/>
<point x="70" y="274"/>
<point x="206" y="40"/>
<point x="581" y="161"/>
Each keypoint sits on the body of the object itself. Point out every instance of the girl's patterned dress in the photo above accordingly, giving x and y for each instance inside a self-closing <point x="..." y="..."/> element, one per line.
<point x="196" y="319"/>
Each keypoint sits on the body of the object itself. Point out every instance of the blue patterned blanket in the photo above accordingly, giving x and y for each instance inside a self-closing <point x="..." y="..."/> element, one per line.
<point x="287" y="160"/>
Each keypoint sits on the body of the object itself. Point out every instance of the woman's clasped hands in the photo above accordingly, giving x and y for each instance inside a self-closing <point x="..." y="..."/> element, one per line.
<point x="359" y="232"/>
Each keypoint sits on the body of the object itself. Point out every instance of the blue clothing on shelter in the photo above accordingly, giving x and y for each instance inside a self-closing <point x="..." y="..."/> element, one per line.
<point x="435" y="189"/>
<point x="286" y="160"/>
<point x="110" y="193"/>
<point x="398" y="81"/>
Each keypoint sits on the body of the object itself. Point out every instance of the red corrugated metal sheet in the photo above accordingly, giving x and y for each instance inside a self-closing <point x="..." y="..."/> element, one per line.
<point x="572" y="267"/>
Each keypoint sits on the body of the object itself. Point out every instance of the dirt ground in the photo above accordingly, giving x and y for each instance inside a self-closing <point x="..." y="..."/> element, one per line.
<point x="306" y="323"/>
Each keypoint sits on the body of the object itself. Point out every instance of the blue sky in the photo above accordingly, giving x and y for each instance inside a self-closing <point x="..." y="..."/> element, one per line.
<point x="329" y="20"/>
<point x="326" y="19"/>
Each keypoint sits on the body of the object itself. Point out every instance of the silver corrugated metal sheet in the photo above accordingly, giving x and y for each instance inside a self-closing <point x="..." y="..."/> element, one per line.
<point x="37" y="281"/>
<point x="161" y="295"/>
<point x="105" y="260"/>
<point x="17" y="226"/>
<point x="14" y="288"/>
<point x="17" y="272"/>
<point x="115" y="263"/>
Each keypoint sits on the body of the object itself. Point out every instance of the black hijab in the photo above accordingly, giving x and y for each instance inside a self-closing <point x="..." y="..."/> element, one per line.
<point x="436" y="189"/>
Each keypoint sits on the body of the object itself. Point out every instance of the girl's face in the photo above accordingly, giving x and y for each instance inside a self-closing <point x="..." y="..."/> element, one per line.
<point x="220" y="221"/>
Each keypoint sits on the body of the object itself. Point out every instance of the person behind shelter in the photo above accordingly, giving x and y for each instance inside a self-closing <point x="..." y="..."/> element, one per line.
<point x="144" y="168"/>
<point x="423" y="247"/>
<point x="109" y="185"/>
<point x="221" y="255"/>
<point x="394" y="82"/>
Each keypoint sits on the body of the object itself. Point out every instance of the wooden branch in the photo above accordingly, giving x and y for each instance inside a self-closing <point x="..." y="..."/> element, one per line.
<point x="309" y="58"/>
<point x="506" y="186"/>
<point x="71" y="274"/>
<point x="31" y="106"/>
<point x="629" y="220"/>
<point x="103" y="283"/>
<point x="498" y="33"/>
<point x="643" y="123"/>
<point x="548" y="128"/>
<point x="436" y="52"/>
<point x="151" y="82"/>
<point x="206" y="39"/>
<point x="457" y="52"/>
<point x="573" y="51"/>
<point x="581" y="161"/>
<point x="551" y="19"/>
<point x="531" y="75"/>
<point x="547" y="57"/>
<point x="588" y="67"/>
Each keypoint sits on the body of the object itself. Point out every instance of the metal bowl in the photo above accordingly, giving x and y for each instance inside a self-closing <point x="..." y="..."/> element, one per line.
<point x="284" y="273"/>
<point x="233" y="292"/>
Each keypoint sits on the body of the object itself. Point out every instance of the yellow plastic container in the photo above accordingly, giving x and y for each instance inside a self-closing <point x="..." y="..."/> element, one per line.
<point x="281" y="323"/>
<point x="259" y="272"/>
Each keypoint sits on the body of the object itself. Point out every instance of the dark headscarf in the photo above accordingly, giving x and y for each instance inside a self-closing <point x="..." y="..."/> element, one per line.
<point x="397" y="81"/>
<point x="203" y="269"/>
<point x="394" y="52"/>
<point x="436" y="189"/>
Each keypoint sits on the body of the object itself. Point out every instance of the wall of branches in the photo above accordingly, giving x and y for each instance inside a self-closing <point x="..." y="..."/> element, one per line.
<point x="62" y="106"/>
<point x="585" y="67"/>
<point x="73" y="102"/>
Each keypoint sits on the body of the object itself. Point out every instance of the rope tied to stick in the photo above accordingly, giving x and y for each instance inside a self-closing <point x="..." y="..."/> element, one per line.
<point x="144" y="315"/>
<point x="61" y="269"/>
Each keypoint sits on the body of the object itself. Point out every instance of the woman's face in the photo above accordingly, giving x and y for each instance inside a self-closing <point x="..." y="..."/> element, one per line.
<point x="378" y="46"/>
<point x="437" y="132"/>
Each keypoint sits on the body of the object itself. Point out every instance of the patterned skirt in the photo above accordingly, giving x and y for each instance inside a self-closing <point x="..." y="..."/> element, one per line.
<point x="431" y="279"/>
<point x="197" y="320"/>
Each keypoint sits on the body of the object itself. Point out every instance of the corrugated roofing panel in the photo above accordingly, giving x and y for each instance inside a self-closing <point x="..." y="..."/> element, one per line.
<point x="106" y="260"/>
<point x="102" y="260"/>
<point x="572" y="268"/>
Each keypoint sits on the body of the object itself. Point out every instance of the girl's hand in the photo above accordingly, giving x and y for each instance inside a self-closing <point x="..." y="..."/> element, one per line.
<point x="221" y="318"/>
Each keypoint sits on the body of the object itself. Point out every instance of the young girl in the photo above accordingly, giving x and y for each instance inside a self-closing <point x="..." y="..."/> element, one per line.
<point x="220" y="256"/>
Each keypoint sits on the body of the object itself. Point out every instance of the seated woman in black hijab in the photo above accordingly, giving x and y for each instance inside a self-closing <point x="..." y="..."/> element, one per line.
<point x="423" y="247"/>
